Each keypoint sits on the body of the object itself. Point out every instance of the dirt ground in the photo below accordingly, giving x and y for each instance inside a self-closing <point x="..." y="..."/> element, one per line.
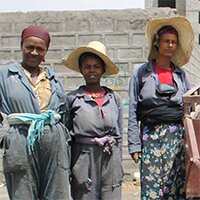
<point x="130" y="191"/>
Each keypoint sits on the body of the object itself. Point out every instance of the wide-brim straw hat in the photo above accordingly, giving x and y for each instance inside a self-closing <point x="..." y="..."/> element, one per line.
<point x="96" y="47"/>
<point x="185" y="38"/>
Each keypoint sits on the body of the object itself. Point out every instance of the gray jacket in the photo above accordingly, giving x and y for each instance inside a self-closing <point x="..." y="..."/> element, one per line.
<point x="17" y="96"/>
<point x="142" y="91"/>
<point x="88" y="120"/>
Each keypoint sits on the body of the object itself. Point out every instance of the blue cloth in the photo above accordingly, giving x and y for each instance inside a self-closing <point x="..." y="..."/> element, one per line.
<point x="37" y="122"/>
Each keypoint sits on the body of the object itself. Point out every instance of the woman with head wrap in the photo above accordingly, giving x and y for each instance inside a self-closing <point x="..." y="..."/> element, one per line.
<point x="156" y="90"/>
<point x="35" y="161"/>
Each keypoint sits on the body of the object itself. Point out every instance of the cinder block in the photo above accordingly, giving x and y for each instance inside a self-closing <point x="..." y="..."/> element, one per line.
<point x="130" y="54"/>
<point x="117" y="39"/>
<point x="84" y="39"/>
<point x="63" y="41"/>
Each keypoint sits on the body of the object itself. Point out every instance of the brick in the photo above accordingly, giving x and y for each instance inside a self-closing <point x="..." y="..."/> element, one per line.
<point x="52" y="26"/>
<point x="53" y="54"/>
<point x="10" y="41"/>
<point x="139" y="39"/>
<point x="133" y="54"/>
<point x="73" y="82"/>
<point x="129" y="25"/>
<point x="85" y="39"/>
<point x="117" y="39"/>
<point x="104" y="25"/>
<point x="115" y="82"/>
<point x="78" y="25"/>
<point x="5" y="27"/>
<point x="193" y="5"/>
<point x="63" y="40"/>
<point x="123" y="68"/>
<point x="5" y="55"/>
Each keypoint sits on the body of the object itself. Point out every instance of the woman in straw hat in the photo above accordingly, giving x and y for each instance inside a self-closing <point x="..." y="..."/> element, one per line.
<point x="156" y="90"/>
<point x="95" y="124"/>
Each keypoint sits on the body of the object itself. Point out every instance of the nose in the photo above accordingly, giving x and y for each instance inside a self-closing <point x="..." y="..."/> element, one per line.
<point x="34" y="52"/>
<point x="92" y="68"/>
<point x="170" y="43"/>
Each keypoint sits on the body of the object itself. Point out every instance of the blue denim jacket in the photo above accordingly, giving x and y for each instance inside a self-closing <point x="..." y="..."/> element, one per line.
<point x="146" y="95"/>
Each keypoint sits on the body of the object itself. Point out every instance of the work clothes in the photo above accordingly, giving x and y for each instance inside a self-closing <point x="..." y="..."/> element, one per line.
<point x="45" y="173"/>
<point x="96" y="173"/>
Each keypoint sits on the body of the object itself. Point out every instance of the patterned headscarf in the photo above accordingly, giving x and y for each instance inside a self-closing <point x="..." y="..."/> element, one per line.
<point x="167" y="29"/>
<point x="36" y="31"/>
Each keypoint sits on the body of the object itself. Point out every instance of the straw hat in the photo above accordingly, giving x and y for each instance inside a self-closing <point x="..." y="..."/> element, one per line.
<point x="185" y="37"/>
<point x="93" y="47"/>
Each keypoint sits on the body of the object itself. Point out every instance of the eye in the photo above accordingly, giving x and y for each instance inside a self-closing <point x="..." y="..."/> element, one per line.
<point x="32" y="48"/>
<point x="86" y="66"/>
<point x="40" y="49"/>
<point x="97" y="66"/>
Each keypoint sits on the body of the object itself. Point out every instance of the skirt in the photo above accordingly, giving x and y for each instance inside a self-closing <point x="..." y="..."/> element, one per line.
<point x="163" y="162"/>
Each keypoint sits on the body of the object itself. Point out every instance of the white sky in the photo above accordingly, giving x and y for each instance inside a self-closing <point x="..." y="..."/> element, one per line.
<point x="59" y="5"/>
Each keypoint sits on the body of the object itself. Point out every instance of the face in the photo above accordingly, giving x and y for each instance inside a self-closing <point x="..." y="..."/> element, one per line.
<point x="167" y="45"/>
<point x="92" y="70"/>
<point x="33" y="50"/>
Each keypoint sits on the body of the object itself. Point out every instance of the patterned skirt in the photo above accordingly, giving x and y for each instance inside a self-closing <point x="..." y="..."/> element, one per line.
<point x="163" y="162"/>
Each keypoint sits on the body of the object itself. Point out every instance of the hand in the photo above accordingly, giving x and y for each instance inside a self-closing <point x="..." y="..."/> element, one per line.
<point x="136" y="156"/>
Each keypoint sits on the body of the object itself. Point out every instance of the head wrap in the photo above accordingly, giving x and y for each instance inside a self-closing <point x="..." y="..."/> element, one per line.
<point x="36" y="31"/>
<point x="167" y="29"/>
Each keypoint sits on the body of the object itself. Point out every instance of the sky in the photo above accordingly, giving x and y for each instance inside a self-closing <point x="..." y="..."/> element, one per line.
<point x="59" y="5"/>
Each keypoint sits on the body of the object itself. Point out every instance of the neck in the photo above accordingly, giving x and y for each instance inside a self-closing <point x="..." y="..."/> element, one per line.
<point x="34" y="71"/>
<point x="94" y="89"/>
<point x="163" y="63"/>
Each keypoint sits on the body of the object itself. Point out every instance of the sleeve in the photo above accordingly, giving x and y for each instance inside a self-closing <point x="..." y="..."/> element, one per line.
<point x="69" y="118"/>
<point x="134" y="140"/>
<point x="120" y="116"/>
<point x="187" y="82"/>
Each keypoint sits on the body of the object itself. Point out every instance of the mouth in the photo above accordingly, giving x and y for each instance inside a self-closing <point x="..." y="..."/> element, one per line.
<point x="91" y="76"/>
<point x="169" y="51"/>
<point x="33" y="59"/>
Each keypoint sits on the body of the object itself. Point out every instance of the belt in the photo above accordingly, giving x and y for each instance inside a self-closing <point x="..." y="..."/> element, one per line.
<point x="107" y="141"/>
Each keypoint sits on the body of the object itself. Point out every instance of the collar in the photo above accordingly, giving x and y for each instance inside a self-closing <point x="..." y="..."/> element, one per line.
<point x="16" y="68"/>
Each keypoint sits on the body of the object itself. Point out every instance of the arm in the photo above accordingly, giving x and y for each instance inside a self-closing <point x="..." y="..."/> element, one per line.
<point x="187" y="82"/>
<point x="120" y="115"/>
<point x="134" y="140"/>
<point x="69" y="118"/>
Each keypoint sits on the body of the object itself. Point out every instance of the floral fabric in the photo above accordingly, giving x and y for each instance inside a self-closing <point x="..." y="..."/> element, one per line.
<point x="163" y="162"/>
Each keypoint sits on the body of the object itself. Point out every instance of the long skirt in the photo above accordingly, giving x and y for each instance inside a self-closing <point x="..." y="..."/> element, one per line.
<point x="163" y="162"/>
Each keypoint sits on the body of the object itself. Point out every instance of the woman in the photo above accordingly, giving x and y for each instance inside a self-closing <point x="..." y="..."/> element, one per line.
<point x="96" y="127"/>
<point x="36" y="164"/>
<point x="156" y="90"/>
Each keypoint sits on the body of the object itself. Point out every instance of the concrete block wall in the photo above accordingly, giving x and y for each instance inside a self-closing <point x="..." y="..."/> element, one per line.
<point x="122" y="31"/>
<point x="192" y="12"/>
